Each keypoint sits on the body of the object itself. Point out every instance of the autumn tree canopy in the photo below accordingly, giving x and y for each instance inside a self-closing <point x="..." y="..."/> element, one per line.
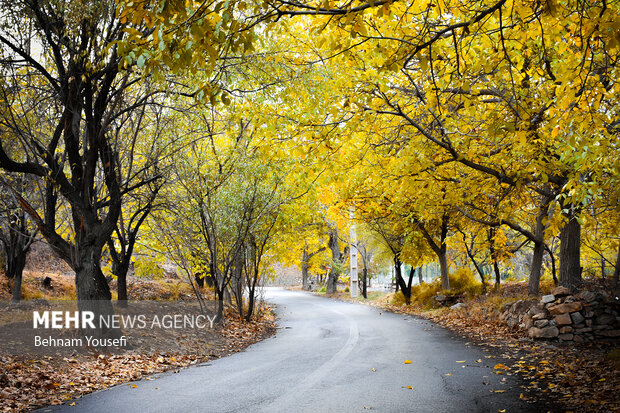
<point x="460" y="132"/>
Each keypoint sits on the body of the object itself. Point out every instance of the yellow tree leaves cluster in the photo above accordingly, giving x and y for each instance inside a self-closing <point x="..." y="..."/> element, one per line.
<point x="507" y="112"/>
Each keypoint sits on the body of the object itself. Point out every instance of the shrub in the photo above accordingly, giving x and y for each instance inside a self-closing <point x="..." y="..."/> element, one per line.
<point x="323" y="289"/>
<point x="423" y="294"/>
<point x="461" y="281"/>
<point x="464" y="281"/>
<point x="346" y="289"/>
<point x="397" y="299"/>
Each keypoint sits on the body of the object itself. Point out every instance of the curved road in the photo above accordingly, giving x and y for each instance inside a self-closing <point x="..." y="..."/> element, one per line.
<point x="328" y="356"/>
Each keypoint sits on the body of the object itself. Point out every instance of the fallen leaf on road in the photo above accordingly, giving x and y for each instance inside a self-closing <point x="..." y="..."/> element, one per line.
<point x="461" y="361"/>
<point x="407" y="361"/>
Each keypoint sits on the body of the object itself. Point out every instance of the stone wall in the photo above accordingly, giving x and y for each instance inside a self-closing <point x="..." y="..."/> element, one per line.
<point x="584" y="317"/>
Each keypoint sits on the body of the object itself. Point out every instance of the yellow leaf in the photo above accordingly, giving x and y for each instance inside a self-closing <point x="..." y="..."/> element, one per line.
<point x="501" y="366"/>
<point x="448" y="374"/>
<point x="72" y="404"/>
<point x="407" y="361"/>
<point x="461" y="361"/>
<point x="134" y="386"/>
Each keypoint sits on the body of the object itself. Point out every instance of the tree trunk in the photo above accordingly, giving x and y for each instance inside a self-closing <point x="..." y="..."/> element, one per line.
<point x="120" y="269"/>
<point x="410" y="281"/>
<point x="420" y="276"/>
<point x="252" y="294"/>
<point x="18" y="270"/>
<point x="443" y="265"/>
<point x="121" y="287"/>
<point x="536" y="268"/>
<point x="332" y="279"/>
<point x="617" y="269"/>
<point x="93" y="292"/>
<point x="539" y="251"/>
<point x="219" y="293"/>
<point x="570" y="254"/>
<point x="365" y="282"/>
<point x="553" y="270"/>
<point x="400" y="281"/>
<point x="304" y="269"/>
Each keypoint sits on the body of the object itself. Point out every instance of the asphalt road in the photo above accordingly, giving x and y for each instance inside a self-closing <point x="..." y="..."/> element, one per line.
<point x="328" y="356"/>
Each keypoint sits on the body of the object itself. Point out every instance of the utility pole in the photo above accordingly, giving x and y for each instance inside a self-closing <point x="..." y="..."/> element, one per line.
<point x="353" y="288"/>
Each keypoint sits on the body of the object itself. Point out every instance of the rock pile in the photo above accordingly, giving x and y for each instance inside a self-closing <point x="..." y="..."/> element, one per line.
<point x="587" y="316"/>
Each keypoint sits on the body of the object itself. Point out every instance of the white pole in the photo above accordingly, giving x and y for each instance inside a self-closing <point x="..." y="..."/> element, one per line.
<point x="353" y="288"/>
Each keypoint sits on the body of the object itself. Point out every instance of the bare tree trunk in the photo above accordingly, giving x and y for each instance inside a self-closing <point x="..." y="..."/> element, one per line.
<point x="332" y="279"/>
<point x="17" y="274"/>
<point x="536" y="268"/>
<point x="443" y="265"/>
<point x="93" y="292"/>
<point x="400" y="281"/>
<point x="617" y="269"/>
<point x="410" y="281"/>
<point x="304" y="269"/>
<point x="120" y="270"/>
<point x="570" y="253"/>
<point x="539" y="251"/>
<point x="365" y="282"/>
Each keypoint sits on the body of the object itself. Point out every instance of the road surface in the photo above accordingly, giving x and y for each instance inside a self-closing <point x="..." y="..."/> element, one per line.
<point x="328" y="356"/>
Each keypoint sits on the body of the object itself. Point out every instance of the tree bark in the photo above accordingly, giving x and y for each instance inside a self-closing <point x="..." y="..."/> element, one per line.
<point x="332" y="279"/>
<point x="553" y="270"/>
<point x="570" y="253"/>
<point x="536" y="268"/>
<point x="410" y="281"/>
<point x="93" y="292"/>
<point x="365" y="282"/>
<point x="304" y="269"/>
<point x="539" y="251"/>
<point x="443" y="265"/>
<point x="440" y="249"/>
<point x="617" y="269"/>
<point x="121" y="286"/>
<point x="18" y="270"/>
<point x="400" y="281"/>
